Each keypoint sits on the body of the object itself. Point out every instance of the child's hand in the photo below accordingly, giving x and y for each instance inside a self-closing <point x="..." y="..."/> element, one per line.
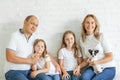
<point x="58" y="69"/>
<point x="76" y="71"/>
<point x="33" y="74"/>
<point x="66" y="75"/>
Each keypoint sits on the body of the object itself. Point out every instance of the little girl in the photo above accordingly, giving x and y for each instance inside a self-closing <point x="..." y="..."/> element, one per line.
<point x="69" y="57"/>
<point x="44" y="69"/>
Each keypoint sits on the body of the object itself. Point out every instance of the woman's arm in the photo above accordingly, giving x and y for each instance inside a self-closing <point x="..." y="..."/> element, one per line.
<point x="108" y="57"/>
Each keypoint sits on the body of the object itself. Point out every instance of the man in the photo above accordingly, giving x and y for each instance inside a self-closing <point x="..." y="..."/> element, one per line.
<point x="19" y="50"/>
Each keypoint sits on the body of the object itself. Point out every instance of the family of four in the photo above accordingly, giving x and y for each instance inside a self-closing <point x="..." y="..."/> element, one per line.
<point x="28" y="58"/>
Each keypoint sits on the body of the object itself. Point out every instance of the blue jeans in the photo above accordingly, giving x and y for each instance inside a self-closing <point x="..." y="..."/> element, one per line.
<point x="54" y="77"/>
<point x="18" y="75"/>
<point x="107" y="74"/>
<point x="72" y="76"/>
<point x="43" y="76"/>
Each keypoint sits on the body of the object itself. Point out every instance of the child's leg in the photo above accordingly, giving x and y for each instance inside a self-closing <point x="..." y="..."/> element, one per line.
<point x="56" y="77"/>
<point x="75" y="77"/>
<point x="41" y="76"/>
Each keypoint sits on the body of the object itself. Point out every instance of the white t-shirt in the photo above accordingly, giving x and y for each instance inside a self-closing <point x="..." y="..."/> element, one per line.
<point x="69" y="61"/>
<point x="102" y="45"/>
<point x="41" y="65"/>
<point x="22" y="47"/>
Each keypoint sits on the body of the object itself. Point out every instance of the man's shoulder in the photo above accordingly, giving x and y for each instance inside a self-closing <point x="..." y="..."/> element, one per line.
<point x="16" y="32"/>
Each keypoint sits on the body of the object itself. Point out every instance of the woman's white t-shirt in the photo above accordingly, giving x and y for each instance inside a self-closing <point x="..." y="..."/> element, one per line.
<point x="92" y="43"/>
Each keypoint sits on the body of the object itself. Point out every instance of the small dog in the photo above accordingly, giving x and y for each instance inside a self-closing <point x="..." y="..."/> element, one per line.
<point x="97" y="68"/>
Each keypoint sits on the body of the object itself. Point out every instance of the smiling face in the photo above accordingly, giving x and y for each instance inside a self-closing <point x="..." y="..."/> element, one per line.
<point x="69" y="40"/>
<point x="89" y="25"/>
<point x="30" y="25"/>
<point x="39" y="47"/>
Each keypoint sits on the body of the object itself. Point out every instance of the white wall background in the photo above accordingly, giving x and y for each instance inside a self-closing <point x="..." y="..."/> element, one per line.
<point x="57" y="16"/>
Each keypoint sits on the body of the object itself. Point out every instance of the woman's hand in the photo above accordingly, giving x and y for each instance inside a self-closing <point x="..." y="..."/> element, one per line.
<point x="92" y="63"/>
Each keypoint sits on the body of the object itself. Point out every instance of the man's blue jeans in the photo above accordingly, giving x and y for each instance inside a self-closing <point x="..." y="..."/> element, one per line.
<point x="18" y="75"/>
<point x="107" y="74"/>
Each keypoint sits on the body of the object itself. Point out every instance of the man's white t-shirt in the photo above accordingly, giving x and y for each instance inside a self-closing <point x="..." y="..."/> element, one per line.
<point x="22" y="47"/>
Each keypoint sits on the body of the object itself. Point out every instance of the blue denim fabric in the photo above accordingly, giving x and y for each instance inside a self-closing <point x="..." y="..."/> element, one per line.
<point x="72" y="77"/>
<point x="43" y="76"/>
<point x="54" y="77"/>
<point x="107" y="74"/>
<point x="18" y="75"/>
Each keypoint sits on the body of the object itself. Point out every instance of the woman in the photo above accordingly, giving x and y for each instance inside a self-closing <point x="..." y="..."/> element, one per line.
<point x="92" y="40"/>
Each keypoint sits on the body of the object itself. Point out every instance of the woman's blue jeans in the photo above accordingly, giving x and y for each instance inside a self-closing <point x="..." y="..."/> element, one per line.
<point x="107" y="74"/>
<point x="72" y="76"/>
<point x="18" y="75"/>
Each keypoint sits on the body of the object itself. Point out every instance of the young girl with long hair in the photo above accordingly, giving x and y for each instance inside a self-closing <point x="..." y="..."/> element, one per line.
<point x="69" y="57"/>
<point x="44" y="69"/>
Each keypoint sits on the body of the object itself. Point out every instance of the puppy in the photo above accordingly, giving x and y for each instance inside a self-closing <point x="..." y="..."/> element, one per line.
<point x="97" y="68"/>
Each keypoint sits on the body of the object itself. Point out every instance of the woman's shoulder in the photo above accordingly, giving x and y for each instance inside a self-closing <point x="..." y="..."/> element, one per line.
<point x="102" y="37"/>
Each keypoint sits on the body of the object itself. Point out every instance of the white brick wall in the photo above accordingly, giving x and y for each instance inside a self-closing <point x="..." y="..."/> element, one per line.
<point x="56" y="16"/>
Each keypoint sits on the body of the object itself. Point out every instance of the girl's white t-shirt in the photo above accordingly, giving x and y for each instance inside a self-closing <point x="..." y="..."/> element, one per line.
<point x="102" y="45"/>
<point x="41" y="65"/>
<point x="69" y="61"/>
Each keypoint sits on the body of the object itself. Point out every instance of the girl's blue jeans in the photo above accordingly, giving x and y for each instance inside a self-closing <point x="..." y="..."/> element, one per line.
<point x="72" y="76"/>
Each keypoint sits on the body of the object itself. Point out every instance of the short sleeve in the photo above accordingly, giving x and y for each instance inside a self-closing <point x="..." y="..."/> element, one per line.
<point x="105" y="44"/>
<point x="47" y="58"/>
<point x="60" y="54"/>
<point x="12" y="45"/>
<point x="79" y="53"/>
<point x="82" y="48"/>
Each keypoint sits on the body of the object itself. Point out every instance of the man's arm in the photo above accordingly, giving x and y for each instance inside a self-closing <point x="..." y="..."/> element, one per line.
<point x="11" y="57"/>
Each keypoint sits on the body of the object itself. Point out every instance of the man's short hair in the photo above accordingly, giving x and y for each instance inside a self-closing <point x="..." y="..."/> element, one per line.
<point x="28" y="17"/>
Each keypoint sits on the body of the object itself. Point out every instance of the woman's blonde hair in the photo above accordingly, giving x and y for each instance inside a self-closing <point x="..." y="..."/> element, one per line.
<point x="96" y="31"/>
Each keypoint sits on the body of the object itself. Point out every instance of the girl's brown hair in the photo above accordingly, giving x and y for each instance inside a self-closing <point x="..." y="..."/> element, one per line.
<point x="36" y="42"/>
<point x="96" y="31"/>
<point x="75" y="47"/>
